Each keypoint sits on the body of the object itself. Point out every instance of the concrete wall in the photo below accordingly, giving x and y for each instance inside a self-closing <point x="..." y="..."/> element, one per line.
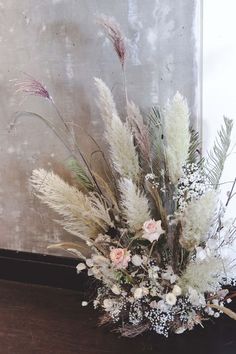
<point x="219" y="77"/>
<point x="59" y="43"/>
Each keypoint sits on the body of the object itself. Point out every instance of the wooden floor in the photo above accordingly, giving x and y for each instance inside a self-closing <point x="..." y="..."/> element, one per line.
<point x="37" y="319"/>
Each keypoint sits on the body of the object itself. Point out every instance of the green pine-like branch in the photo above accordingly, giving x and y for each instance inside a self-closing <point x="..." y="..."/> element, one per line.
<point x="217" y="157"/>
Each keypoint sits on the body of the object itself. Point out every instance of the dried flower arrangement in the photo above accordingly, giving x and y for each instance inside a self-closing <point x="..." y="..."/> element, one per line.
<point x="154" y="224"/>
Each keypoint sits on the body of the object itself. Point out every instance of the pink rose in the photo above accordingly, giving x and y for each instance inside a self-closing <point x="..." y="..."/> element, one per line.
<point x="152" y="230"/>
<point x="120" y="257"/>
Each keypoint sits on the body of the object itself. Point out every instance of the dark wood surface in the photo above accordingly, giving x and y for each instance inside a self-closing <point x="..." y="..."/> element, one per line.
<point x="41" y="269"/>
<point x="41" y="319"/>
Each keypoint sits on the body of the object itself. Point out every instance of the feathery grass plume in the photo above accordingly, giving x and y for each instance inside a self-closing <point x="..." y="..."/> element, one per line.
<point x="134" y="204"/>
<point x="100" y="208"/>
<point x="122" y="149"/>
<point x="139" y="130"/>
<point x="72" y="247"/>
<point x="80" y="174"/>
<point x="155" y="128"/>
<point x="113" y="32"/>
<point x="155" y="194"/>
<point x="108" y="193"/>
<point x="79" y="214"/>
<point x="177" y="135"/>
<point x="203" y="276"/>
<point x="105" y="101"/>
<point x="196" y="220"/>
<point x="31" y="86"/>
<point x="118" y="135"/>
<point x="216" y="158"/>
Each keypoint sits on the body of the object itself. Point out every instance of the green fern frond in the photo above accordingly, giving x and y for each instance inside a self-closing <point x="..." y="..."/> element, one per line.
<point x="80" y="174"/>
<point x="217" y="157"/>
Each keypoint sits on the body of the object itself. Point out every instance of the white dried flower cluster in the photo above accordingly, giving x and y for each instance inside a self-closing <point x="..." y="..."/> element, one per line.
<point x="191" y="186"/>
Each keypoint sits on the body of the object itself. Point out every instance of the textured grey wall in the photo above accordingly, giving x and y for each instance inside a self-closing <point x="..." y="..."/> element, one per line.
<point x="59" y="43"/>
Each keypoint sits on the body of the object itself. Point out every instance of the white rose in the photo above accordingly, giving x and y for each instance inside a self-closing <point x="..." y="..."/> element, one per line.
<point x="171" y="299"/>
<point x="152" y="230"/>
<point x="177" y="291"/>
<point x="136" y="260"/>
<point x="80" y="267"/>
<point x="115" y="289"/>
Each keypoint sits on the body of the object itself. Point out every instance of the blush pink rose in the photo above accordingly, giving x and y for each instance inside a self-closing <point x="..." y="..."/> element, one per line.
<point x="152" y="230"/>
<point x="120" y="257"/>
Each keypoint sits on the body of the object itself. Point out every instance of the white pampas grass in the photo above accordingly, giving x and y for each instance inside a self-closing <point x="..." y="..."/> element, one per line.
<point x="203" y="276"/>
<point x="118" y="135"/>
<point x="105" y="101"/>
<point x="100" y="209"/>
<point x="83" y="216"/>
<point x="177" y="135"/>
<point x="139" y="130"/>
<point x="197" y="219"/>
<point x="134" y="203"/>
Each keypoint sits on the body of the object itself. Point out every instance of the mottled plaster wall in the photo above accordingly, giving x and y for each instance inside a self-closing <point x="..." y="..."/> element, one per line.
<point x="59" y="43"/>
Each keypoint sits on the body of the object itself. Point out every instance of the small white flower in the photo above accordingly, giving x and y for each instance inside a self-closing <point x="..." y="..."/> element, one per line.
<point x="161" y="305"/>
<point x="180" y="330"/>
<point x="80" y="267"/>
<point x="131" y="299"/>
<point x="84" y="303"/>
<point x="171" y="299"/>
<point x="115" y="289"/>
<point x="89" y="262"/>
<point x="195" y="298"/>
<point x="169" y="275"/>
<point x="153" y="292"/>
<point x="90" y="272"/>
<point x="212" y="244"/>
<point x="215" y="301"/>
<point x="95" y="303"/>
<point x="177" y="291"/>
<point x="145" y="291"/>
<point x="138" y="293"/>
<point x="211" y="312"/>
<point x="136" y="260"/>
<point x="200" y="254"/>
<point x="107" y="304"/>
